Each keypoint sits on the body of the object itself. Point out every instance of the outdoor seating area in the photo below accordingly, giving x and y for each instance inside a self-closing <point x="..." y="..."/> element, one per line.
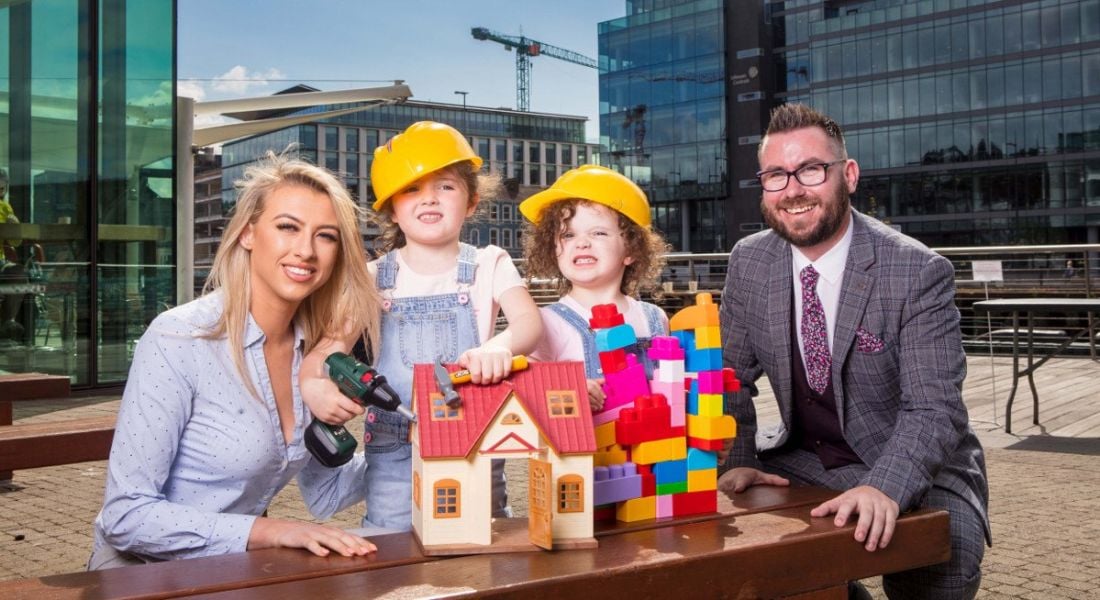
<point x="1043" y="540"/>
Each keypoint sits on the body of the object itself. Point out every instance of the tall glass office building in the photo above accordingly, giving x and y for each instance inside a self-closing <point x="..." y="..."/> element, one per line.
<point x="87" y="127"/>
<point x="975" y="122"/>
<point x="663" y="113"/>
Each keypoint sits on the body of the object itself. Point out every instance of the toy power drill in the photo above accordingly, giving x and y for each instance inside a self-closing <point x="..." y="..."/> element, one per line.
<point x="333" y="445"/>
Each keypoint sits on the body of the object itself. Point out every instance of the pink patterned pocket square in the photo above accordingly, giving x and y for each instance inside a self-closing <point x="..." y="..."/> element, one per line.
<point x="867" y="342"/>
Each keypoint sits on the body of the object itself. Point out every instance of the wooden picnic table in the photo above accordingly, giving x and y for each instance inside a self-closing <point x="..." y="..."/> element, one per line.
<point x="761" y="543"/>
<point x="1028" y="309"/>
<point x="27" y="386"/>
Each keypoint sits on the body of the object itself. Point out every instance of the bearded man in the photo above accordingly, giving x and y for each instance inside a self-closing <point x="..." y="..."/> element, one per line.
<point x="856" y="327"/>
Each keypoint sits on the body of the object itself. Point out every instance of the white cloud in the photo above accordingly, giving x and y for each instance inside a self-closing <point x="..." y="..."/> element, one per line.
<point x="238" y="81"/>
<point x="189" y="88"/>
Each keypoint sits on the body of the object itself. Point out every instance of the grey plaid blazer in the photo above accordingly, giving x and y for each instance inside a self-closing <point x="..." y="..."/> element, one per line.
<point x="898" y="383"/>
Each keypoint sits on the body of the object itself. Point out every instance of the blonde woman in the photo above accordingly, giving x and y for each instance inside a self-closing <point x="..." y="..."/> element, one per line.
<point x="211" y="423"/>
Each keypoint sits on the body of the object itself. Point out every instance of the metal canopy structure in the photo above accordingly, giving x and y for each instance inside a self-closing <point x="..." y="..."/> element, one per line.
<point x="251" y="111"/>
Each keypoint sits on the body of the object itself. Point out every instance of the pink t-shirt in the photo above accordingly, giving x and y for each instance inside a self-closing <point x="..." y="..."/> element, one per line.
<point x="496" y="274"/>
<point x="561" y="341"/>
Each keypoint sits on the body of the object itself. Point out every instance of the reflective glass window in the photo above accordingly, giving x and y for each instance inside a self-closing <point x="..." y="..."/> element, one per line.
<point x="351" y="139"/>
<point x="332" y="138"/>
<point x="1090" y="20"/>
<point x="1031" y="35"/>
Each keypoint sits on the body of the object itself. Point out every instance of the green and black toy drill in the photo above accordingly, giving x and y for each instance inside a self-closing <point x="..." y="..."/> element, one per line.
<point x="334" y="445"/>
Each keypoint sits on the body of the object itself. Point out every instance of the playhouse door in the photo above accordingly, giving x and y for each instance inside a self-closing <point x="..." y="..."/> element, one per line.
<point x="539" y="503"/>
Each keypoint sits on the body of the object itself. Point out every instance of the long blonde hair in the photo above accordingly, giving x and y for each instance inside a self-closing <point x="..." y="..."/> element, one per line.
<point x="348" y="302"/>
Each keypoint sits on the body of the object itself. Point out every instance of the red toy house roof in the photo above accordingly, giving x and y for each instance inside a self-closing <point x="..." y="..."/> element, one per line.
<point x="480" y="404"/>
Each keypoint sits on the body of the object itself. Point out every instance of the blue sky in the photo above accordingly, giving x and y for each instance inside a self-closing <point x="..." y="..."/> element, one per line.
<point x="238" y="48"/>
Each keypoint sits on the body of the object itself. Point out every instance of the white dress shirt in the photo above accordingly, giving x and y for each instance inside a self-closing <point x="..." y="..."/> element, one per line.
<point x="831" y="269"/>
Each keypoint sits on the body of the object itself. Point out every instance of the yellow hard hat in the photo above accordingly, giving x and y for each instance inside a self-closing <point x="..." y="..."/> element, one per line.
<point x="424" y="147"/>
<point x="595" y="184"/>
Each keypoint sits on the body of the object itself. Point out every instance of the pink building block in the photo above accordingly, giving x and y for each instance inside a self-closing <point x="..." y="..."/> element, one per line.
<point x="711" y="382"/>
<point x="664" y="347"/>
<point x="665" y="506"/>
<point x="625" y="386"/>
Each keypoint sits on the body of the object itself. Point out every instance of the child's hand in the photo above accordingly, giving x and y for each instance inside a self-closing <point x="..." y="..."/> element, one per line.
<point x="488" y="363"/>
<point x="325" y="400"/>
<point x="596" y="395"/>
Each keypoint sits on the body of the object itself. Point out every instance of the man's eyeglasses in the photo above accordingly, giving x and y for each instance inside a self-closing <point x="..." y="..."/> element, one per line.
<point x="807" y="175"/>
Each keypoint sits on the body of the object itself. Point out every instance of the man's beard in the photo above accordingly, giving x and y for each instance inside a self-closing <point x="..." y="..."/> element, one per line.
<point x="832" y="219"/>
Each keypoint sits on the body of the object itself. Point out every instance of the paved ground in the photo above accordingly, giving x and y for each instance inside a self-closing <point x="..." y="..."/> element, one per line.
<point x="1045" y="492"/>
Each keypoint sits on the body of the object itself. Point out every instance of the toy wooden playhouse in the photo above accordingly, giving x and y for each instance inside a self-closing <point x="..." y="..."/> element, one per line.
<point x="540" y="414"/>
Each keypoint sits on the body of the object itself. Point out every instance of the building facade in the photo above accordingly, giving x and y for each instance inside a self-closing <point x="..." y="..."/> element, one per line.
<point x="529" y="151"/>
<point x="664" y="114"/>
<point x="87" y="126"/>
<point x="974" y="122"/>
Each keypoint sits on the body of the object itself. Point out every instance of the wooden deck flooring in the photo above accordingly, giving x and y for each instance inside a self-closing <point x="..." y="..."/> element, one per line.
<point x="1069" y="399"/>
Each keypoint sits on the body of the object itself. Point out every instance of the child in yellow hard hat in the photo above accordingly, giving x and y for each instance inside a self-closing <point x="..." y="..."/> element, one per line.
<point x="592" y="232"/>
<point x="440" y="297"/>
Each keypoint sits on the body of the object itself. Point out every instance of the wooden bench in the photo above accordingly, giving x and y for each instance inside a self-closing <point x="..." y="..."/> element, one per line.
<point x="762" y="543"/>
<point x="27" y="386"/>
<point x="33" y="445"/>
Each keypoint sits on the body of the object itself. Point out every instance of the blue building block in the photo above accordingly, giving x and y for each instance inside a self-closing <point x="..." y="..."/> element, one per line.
<point x="701" y="460"/>
<point x="670" y="471"/>
<point x="704" y="360"/>
<point x="686" y="337"/>
<point x="615" y="338"/>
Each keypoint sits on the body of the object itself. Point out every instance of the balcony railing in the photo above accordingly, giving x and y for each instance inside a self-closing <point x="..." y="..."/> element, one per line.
<point x="1061" y="271"/>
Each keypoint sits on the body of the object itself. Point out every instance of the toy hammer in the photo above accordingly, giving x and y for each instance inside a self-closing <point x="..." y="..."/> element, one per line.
<point x="446" y="381"/>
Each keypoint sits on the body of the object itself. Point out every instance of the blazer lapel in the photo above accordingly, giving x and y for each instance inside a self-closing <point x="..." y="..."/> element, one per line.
<point x="854" y="294"/>
<point x="779" y="324"/>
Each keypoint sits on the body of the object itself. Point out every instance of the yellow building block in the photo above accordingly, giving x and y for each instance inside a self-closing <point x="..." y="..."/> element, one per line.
<point x="647" y="453"/>
<point x="701" y="481"/>
<point x="711" y="428"/>
<point x="637" y="509"/>
<point x="710" y="405"/>
<point x="605" y="435"/>
<point x="707" y="337"/>
<point x="615" y="455"/>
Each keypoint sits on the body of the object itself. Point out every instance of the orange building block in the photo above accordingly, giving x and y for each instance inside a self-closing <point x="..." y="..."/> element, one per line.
<point x="656" y="451"/>
<point x="703" y="314"/>
<point x="701" y="481"/>
<point x="615" y="455"/>
<point x="711" y="428"/>
<point x="707" y="337"/>
<point x="605" y="435"/>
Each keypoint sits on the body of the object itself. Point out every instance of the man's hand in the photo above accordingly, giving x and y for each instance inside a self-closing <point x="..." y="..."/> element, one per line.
<point x="739" y="479"/>
<point x="877" y="514"/>
<point x="596" y="396"/>
<point x="318" y="539"/>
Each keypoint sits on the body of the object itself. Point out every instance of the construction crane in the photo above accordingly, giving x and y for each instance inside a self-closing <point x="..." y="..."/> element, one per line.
<point x="525" y="48"/>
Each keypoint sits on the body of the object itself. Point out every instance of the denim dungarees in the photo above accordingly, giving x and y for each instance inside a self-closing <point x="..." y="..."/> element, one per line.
<point x="592" y="368"/>
<point x="417" y="329"/>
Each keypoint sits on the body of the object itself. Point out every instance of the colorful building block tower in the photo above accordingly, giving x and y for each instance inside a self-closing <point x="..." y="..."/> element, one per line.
<point x="657" y="439"/>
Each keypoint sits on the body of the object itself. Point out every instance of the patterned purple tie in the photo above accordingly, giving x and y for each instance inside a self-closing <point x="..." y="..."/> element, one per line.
<point x="815" y="338"/>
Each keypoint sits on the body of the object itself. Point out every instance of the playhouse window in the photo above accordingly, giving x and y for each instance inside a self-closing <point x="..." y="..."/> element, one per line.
<point x="416" y="489"/>
<point x="562" y="403"/>
<point x="440" y="410"/>
<point x="570" y="494"/>
<point x="447" y="497"/>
